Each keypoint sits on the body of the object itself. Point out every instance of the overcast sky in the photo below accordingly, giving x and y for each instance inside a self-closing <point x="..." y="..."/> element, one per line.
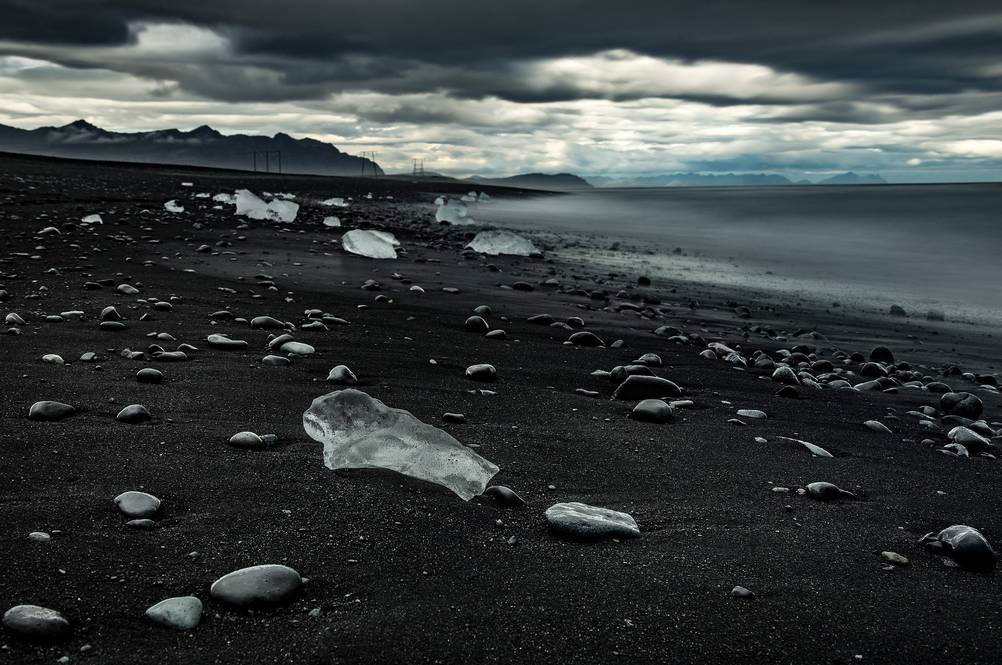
<point x="912" y="90"/>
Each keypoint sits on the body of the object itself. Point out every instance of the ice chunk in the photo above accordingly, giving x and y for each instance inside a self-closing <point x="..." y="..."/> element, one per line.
<point x="440" y="201"/>
<point x="249" y="205"/>
<point x="187" y="184"/>
<point x="502" y="242"/>
<point x="336" y="202"/>
<point x="453" y="212"/>
<point x="172" y="206"/>
<point x="92" y="219"/>
<point x="332" y="221"/>
<point x="371" y="244"/>
<point x="484" y="197"/>
<point x="388" y="237"/>
<point x="225" y="198"/>
<point x="469" y="198"/>
<point x="359" y="432"/>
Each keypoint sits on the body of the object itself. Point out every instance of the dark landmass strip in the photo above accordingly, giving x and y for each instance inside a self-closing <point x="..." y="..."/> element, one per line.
<point x="202" y="146"/>
<point x="544" y="181"/>
<point x="728" y="180"/>
<point x="402" y="571"/>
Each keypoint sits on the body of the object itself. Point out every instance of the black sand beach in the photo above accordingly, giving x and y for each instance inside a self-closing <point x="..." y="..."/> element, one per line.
<point x="404" y="571"/>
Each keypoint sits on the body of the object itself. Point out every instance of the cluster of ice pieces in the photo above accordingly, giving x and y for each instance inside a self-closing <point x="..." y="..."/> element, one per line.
<point x="453" y="212"/>
<point x="359" y="432"/>
<point x="336" y="202"/>
<point x="371" y="244"/>
<point x="277" y="210"/>
<point x="494" y="243"/>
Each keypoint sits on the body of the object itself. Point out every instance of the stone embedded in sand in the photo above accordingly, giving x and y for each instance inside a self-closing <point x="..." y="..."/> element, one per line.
<point x="742" y="593"/>
<point x="127" y="290"/>
<point x="266" y="323"/>
<point x="897" y="310"/>
<point x="361" y="432"/>
<point x="894" y="558"/>
<point x="181" y="613"/>
<point x="369" y="244"/>
<point x="343" y="376"/>
<point x="828" y="492"/>
<point x="277" y="361"/>
<point x="137" y="505"/>
<point x="264" y="585"/>
<point x="504" y="497"/>
<point x="752" y="413"/>
<point x="476" y="324"/>
<point x="877" y="426"/>
<point x="141" y="524"/>
<point x="970" y="439"/>
<point x="638" y="387"/>
<point x="652" y="411"/>
<point x="49" y="410"/>
<point x="39" y="537"/>
<point x="585" y="338"/>
<point x="786" y="376"/>
<point x="297" y="348"/>
<point x="496" y="243"/>
<point x="134" y="413"/>
<point x="223" y="342"/>
<point x="149" y="375"/>
<point x="36" y="624"/>
<point x="332" y="222"/>
<point x="817" y="451"/>
<point x="53" y="359"/>
<point x="965" y="545"/>
<point x="583" y="522"/>
<point x="246" y="440"/>
<point x="882" y="354"/>
<point x="964" y="405"/>
<point x="482" y="372"/>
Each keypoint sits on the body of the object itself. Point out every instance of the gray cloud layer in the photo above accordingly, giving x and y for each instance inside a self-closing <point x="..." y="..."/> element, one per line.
<point x="434" y="63"/>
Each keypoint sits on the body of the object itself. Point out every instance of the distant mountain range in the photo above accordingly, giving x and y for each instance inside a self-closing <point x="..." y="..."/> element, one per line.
<point x="203" y="146"/>
<point x="551" y="182"/>
<point x="729" y="180"/>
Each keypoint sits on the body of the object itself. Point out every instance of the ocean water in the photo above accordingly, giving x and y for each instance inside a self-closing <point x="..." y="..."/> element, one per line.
<point x="920" y="246"/>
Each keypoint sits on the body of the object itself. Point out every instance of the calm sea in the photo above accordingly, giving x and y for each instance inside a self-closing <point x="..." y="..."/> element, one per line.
<point x="921" y="246"/>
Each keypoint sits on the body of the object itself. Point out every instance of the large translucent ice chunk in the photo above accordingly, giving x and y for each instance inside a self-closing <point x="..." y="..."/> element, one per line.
<point x="454" y="212"/>
<point x="502" y="242"/>
<point x="250" y="205"/>
<point x="359" y="432"/>
<point x="371" y="244"/>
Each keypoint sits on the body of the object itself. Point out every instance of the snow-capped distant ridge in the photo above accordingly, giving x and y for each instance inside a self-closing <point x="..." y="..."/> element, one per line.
<point x="201" y="146"/>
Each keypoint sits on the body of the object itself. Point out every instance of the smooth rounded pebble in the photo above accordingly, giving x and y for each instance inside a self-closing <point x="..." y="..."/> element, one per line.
<point x="39" y="537"/>
<point x="134" y="413"/>
<point x="36" y="624"/>
<point x="149" y="375"/>
<point x="504" y="497"/>
<point x="53" y="359"/>
<point x="965" y="545"/>
<point x="180" y="613"/>
<point x="297" y="348"/>
<point x="652" y="411"/>
<point x="583" y="522"/>
<point x="246" y="440"/>
<point x="828" y="492"/>
<point x="482" y="372"/>
<point x="48" y="410"/>
<point x="268" y="584"/>
<point x="342" y="376"/>
<point x="752" y="413"/>
<point x="742" y="593"/>
<point x="137" y="505"/>
<point x="638" y="387"/>
<point x="276" y="361"/>
<point x="224" y="342"/>
<point x="476" y="324"/>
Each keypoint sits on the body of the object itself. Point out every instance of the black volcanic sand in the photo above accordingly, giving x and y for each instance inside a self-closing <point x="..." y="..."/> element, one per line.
<point x="403" y="571"/>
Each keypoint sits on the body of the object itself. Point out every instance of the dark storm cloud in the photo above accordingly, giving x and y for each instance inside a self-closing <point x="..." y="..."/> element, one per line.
<point x="472" y="49"/>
